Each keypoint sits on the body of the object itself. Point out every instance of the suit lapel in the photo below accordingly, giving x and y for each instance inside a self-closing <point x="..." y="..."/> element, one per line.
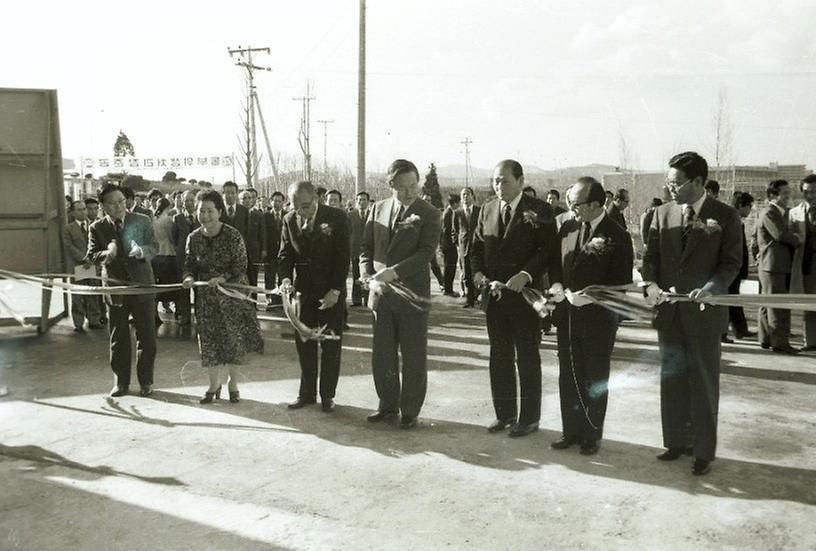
<point x="519" y="212"/>
<point x="569" y="242"/>
<point x="399" y="232"/>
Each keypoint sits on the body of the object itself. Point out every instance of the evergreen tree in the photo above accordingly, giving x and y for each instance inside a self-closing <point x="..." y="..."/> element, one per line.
<point x="123" y="147"/>
<point x="431" y="187"/>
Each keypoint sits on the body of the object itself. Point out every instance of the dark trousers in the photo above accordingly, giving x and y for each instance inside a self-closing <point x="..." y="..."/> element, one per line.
<point x="165" y="270"/>
<point x="449" y="256"/>
<point x="809" y="283"/>
<point x="513" y="330"/>
<point x="183" y="302"/>
<point x="774" y="323"/>
<point x="467" y="280"/>
<point x="356" y="286"/>
<point x="436" y="271"/>
<point x="329" y="349"/>
<point x="736" y="315"/>
<point x="143" y="310"/>
<point x="689" y="389"/>
<point x="586" y="337"/>
<point x="85" y="306"/>
<point x="252" y="276"/>
<point x="396" y="327"/>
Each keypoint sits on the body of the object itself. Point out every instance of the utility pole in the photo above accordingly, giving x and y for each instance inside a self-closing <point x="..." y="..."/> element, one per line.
<point x="305" y="131"/>
<point x="361" y="175"/>
<point x="467" y="143"/>
<point x="325" y="141"/>
<point x="250" y="149"/>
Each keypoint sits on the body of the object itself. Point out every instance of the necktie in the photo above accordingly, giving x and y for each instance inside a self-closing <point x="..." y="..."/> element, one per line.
<point x="231" y="211"/>
<point x="118" y="224"/>
<point x="82" y="225"/>
<point x="400" y="213"/>
<point x="587" y="233"/>
<point x="505" y="220"/>
<point x="688" y="222"/>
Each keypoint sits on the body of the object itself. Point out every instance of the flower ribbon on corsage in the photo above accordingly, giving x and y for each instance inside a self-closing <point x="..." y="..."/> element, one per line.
<point x="326" y="229"/>
<point x="531" y="217"/>
<point x="597" y="245"/>
<point x="410" y="221"/>
<point x="709" y="226"/>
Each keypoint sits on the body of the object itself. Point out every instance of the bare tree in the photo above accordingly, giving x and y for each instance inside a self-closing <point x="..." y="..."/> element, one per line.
<point x="723" y="140"/>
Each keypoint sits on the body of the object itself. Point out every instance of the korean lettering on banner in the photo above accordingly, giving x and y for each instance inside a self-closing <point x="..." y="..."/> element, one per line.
<point x="147" y="163"/>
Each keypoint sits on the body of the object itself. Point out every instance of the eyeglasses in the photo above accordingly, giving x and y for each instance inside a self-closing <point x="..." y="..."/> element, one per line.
<point x="574" y="206"/>
<point x="675" y="185"/>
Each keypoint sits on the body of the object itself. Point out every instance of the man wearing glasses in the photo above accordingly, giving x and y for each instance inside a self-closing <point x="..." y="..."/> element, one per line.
<point x="694" y="249"/>
<point x="123" y="244"/>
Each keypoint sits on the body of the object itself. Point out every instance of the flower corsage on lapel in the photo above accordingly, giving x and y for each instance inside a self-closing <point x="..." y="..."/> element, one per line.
<point x="597" y="245"/>
<point x="531" y="217"/>
<point x="708" y="226"/>
<point x="326" y="229"/>
<point x="409" y="222"/>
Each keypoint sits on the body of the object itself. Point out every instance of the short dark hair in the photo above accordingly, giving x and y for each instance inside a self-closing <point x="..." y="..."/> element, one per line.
<point x="73" y="203"/>
<point x="742" y="199"/>
<point x="775" y="188"/>
<point x="470" y="190"/>
<point x="367" y="196"/>
<point x="110" y="188"/>
<point x="212" y="196"/>
<point x="691" y="163"/>
<point x="126" y="191"/>
<point x="401" y="166"/>
<point x="91" y="201"/>
<point x="277" y="194"/>
<point x="228" y="183"/>
<point x="513" y="165"/>
<point x="154" y="193"/>
<point x="162" y="205"/>
<point x="555" y="192"/>
<point x="320" y="191"/>
<point x="337" y="192"/>
<point x="596" y="194"/>
<point x="713" y="186"/>
<point x="453" y="198"/>
<point x="657" y="201"/>
<point x="252" y="190"/>
<point x="529" y="188"/>
<point x="809" y="179"/>
<point x="622" y="193"/>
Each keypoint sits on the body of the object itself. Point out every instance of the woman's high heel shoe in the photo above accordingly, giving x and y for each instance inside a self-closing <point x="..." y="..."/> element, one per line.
<point x="234" y="396"/>
<point x="209" y="396"/>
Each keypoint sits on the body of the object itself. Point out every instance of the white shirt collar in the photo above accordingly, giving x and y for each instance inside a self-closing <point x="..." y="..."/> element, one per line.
<point x="697" y="205"/>
<point x="513" y="204"/>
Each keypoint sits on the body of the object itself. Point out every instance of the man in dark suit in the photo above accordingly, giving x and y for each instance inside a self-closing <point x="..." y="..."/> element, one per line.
<point x="694" y="248"/>
<point x="514" y="243"/>
<point x="743" y="202"/>
<point x="619" y="204"/>
<point x="315" y="253"/>
<point x="357" y="221"/>
<point x="553" y="197"/>
<point x="123" y="244"/>
<point x="594" y="251"/>
<point x="777" y="243"/>
<point x="75" y="238"/>
<point x="273" y="223"/>
<point x="464" y="225"/>
<point x="448" y="245"/>
<point x="400" y="238"/>
<point x="646" y="219"/>
<point x="803" y="271"/>
<point x="183" y="224"/>
<point x="255" y="239"/>
<point x="235" y="214"/>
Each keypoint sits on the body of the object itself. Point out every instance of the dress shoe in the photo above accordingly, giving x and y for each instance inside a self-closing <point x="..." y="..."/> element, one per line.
<point x="765" y="345"/>
<point x="118" y="391"/>
<point x="746" y="335"/>
<point x="94" y="326"/>
<point x="146" y="391"/>
<point x="564" y="442"/>
<point x="234" y="396"/>
<point x="408" y="422"/>
<point x="589" y="447"/>
<point x="519" y="430"/>
<point x="498" y="425"/>
<point x="726" y="339"/>
<point x="791" y="351"/>
<point x="453" y="294"/>
<point x="210" y="396"/>
<point x="378" y="416"/>
<point x="356" y="304"/>
<point x="327" y="405"/>
<point x="673" y="453"/>
<point x="301" y="402"/>
<point x="700" y="467"/>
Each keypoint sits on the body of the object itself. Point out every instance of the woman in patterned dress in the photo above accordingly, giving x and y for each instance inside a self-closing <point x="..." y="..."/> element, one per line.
<point x="227" y="326"/>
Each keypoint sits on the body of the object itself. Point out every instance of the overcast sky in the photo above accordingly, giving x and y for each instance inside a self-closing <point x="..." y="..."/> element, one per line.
<point x="552" y="83"/>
